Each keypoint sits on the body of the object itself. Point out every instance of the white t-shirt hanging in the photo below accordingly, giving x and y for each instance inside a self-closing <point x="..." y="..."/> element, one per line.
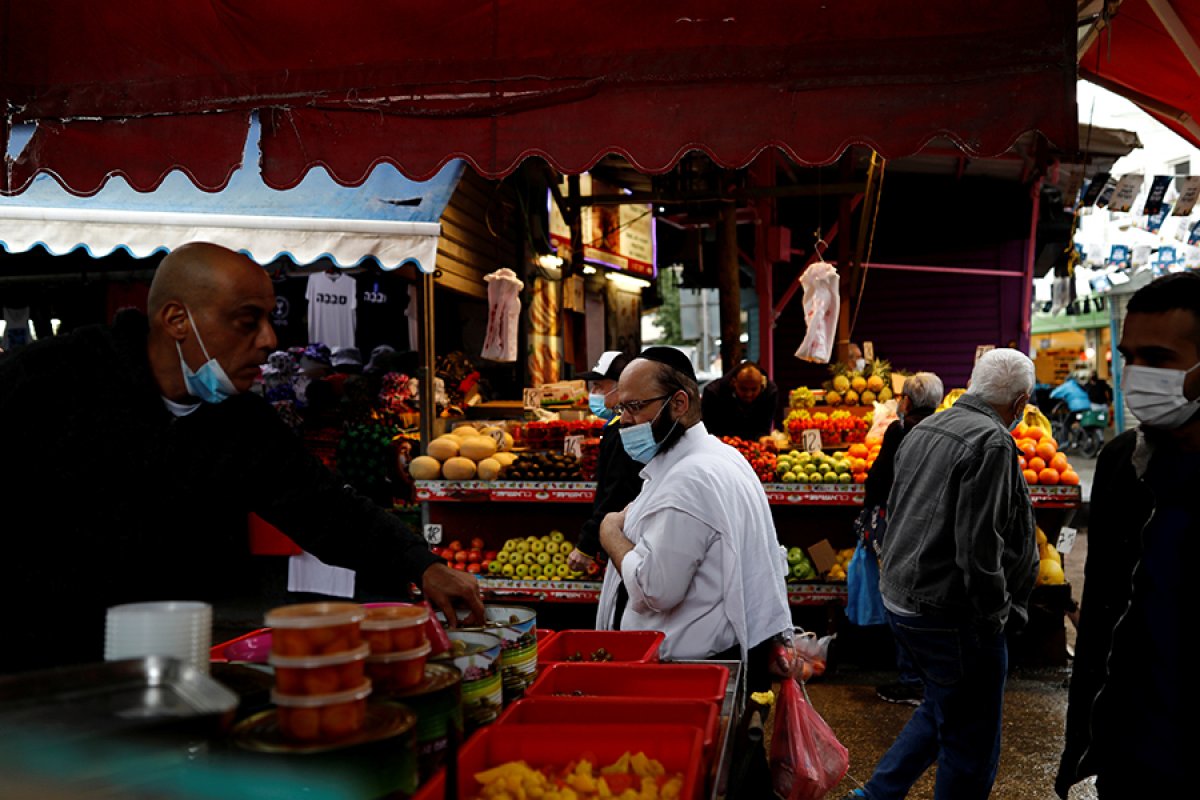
<point x="331" y="305"/>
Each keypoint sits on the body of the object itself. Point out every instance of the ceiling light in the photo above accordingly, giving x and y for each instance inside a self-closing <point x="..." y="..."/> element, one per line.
<point x="627" y="282"/>
<point x="550" y="261"/>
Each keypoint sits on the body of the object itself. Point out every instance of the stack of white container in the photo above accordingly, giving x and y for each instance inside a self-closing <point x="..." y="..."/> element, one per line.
<point x="176" y="629"/>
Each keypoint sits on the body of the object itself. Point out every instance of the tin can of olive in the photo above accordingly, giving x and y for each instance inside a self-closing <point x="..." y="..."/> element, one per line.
<point x="517" y="628"/>
<point x="477" y="656"/>
<point x="437" y="702"/>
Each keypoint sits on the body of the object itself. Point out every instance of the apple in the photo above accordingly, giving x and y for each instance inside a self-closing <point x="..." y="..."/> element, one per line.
<point x="477" y="543"/>
<point x="460" y="556"/>
<point x="556" y="536"/>
<point x="495" y="567"/>
<point x="474" y="556"/>
<point x="473" y="569"/>
<point x="456" y="545"/>
<point x="490" y="555"/>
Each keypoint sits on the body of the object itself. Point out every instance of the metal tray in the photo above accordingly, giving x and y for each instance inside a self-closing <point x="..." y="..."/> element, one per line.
<point x="98" y="699"/>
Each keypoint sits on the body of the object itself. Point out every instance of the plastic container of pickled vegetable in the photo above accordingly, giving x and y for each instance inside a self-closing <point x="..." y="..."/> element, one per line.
<point x="601" y="647"/>
<point x="314" y="675"/>
<point x="551" y="748"/>
<point x="315" y="629"/>
<point x="394" y="627"/>
<point x="398" y="670"/>
<point x="313" y="718"/>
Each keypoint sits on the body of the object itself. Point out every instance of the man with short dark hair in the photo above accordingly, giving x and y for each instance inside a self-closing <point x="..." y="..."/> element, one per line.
<point x="743" y="403"/>
<point x="695" y="555"/>
<point x="134" y="454"/>
<point x="1127" y="714"/>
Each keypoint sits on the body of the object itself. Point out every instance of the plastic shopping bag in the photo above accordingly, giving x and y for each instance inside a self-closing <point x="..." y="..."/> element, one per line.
<point x="864" y="604"/>
<point x="807" y="760"/>
<point x="821" y="305"/>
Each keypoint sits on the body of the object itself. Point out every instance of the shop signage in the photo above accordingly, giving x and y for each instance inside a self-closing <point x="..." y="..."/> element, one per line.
<point x="1154" y="198"/>
<point x="1092" y="193"/>
<point x="1153" y="223"/>
<point x="619" y="237"/>
<point x="1189" y="192"/>
<point x="1126" y="192"/>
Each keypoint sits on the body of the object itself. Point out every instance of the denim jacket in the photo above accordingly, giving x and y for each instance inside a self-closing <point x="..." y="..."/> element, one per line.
<point x="960" y="540"/>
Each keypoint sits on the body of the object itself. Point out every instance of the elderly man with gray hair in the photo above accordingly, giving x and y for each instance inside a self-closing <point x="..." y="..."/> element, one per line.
<point x="959" y="562"/>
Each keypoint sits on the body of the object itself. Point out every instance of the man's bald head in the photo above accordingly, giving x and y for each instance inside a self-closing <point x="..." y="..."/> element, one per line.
<point x="195" y="274"/>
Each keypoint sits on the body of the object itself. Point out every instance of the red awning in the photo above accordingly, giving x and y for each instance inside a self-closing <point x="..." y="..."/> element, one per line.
<point x="141" y="87"/>
<point x="1148" y="52"/>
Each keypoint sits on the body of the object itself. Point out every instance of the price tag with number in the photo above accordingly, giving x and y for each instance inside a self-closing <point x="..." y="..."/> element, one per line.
<point x="433" y="533"/>
<point x="812" y="440"/>
<point x="1066" y="540"/>
<point x="573" y="446"/>
<point x="498" y="435"/>
<point x="531" y="399"/>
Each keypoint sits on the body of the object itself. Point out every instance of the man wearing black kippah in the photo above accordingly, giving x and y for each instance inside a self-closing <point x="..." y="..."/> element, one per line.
<point x="695" y="555"/>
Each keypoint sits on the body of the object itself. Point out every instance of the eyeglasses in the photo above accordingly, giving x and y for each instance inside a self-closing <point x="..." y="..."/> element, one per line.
<point x="634" y="406"/>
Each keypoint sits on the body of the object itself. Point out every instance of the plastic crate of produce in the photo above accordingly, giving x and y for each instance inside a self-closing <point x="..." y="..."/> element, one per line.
<point x="702" y="714"/>
<point x="687" y="681"/>
<point x="623" y="646"/>
<point x="677" y="747"/>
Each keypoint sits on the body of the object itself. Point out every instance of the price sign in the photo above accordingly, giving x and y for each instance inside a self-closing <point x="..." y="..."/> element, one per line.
<point x="573" y="446"/>
<point x="1066" y="540"/>
<point x="983" y="348"/>
<point x="531" y="399"/>
<point x="433" y="534"/>
<point x="498" y="436"/>
<point x="868" y="351"/>
<point x="812" y="440"/>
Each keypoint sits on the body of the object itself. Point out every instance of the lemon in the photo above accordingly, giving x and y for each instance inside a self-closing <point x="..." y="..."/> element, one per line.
<point x="1050" y="572"/>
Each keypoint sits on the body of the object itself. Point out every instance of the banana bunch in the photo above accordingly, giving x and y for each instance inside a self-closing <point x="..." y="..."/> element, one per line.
<point x="950" y="399"/>
<point x="1034" y="418"/>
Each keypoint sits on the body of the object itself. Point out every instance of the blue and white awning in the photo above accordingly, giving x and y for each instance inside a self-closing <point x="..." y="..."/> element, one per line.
<point x="389" y="217"/>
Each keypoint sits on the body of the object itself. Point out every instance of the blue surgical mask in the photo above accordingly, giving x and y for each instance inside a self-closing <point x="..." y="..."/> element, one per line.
<point x="209" y="383"/>
<point x="597" y="406"/>
<point x="638" y="440"/>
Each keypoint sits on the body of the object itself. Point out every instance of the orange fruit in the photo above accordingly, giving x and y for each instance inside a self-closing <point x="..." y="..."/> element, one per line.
<point x="1059" y="462"/>
<point x="1069" y="477"/>
<point x="1033" y="433"/>
<point x="857" y="451"/>
<point x="1021" y="462"/>
<point x="1030" y="476"/>
<point x="1048" y="476"/>
<point x="1046" y="450"/>
<point x="1021" y="431"/>
<point x="1037" y="463"/>
<point x="1028" y="448"/>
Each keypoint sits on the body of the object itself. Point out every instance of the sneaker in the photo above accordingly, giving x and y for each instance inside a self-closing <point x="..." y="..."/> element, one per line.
<point x="856" y="794"/>
<point x="910" y="694"/>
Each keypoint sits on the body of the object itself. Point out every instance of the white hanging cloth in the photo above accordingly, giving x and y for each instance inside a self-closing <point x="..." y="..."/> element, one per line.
<point x="504" y="315"/>
<point x="822" y="303"/>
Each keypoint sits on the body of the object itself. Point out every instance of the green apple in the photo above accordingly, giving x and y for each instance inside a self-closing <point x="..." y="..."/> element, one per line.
<point x="521" y="571"/>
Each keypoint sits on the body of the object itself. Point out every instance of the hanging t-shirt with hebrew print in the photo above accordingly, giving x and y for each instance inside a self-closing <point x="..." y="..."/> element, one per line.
<point x="331" y="304"/>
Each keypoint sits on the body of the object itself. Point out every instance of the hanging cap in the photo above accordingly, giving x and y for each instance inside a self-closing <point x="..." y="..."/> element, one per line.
<point x="347" y="356"/>
<point x="672" y="357"/>
<point x="609" y="367"/>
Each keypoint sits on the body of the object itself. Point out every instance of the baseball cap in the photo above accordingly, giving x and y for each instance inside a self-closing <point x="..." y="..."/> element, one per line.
<point x="672" y="357"/>
<point x="346" y="356"/>
<point x="610" y="366"/>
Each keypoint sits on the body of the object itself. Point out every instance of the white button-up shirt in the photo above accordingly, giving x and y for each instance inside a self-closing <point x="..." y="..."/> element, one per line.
<point x="706" y="568"/>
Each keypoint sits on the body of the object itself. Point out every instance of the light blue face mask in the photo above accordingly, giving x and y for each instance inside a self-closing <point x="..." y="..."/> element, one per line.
<point x="596" y="404"/>
<point x="209" y="383"/>
<point x="638" y="440"/>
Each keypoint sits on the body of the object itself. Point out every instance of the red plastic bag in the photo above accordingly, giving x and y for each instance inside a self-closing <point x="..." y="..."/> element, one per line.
<point x="807" y="760"/>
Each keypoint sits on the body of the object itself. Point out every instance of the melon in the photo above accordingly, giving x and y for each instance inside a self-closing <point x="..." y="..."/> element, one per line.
<point x="459" y="469"/>
<point x="505" y="459"/>
<point x="477" y="448"/>
<point x="488" y="469"/>
<point x="875" y="383"/>
<point x="465" y="430"/>
<point x="425" y="468"/>
<point x="443" y="448"/>
<point x="508" y="441"/>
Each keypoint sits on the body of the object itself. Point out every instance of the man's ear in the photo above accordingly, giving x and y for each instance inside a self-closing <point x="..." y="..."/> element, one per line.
<point x="173" y="318"/>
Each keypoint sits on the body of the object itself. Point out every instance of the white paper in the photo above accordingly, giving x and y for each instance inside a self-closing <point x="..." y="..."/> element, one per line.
<point x="307" y="573"/>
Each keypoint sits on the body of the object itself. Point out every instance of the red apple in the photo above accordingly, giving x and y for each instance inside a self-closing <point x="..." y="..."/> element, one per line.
<point x="489" y="555"/>
<point x="474" y="556"/>
<point x="473" y="569"/>
<point x="456" y="545"/>
<point x="460" y="556"/>
<point x="477" y="543"/>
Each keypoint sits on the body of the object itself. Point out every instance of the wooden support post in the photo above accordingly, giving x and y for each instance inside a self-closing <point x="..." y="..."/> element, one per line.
<point x="729" y="287"/>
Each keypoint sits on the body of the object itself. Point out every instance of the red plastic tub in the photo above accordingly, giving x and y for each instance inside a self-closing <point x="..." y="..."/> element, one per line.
<point x="677" y="747"/>
<point x="655" y="681"/>
<point x="624" y="646"/>
<point x="701" y="714"/>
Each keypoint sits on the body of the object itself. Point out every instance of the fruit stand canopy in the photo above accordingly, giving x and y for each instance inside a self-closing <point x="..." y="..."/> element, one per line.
<point x="141" y="88"/>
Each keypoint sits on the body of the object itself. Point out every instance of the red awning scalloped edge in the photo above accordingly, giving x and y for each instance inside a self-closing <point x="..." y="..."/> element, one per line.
<point x="494" y="83"/>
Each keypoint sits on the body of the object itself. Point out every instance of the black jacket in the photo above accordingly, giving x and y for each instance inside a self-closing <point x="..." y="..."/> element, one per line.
<point x="109" y="498"/>
<point x="1122" y="504"/>
<point x="618" y="482"/>
<point x="725" y="415"/>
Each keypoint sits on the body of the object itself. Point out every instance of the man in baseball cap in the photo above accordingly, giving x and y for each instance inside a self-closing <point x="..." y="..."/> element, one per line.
<point x="617" y="479"/>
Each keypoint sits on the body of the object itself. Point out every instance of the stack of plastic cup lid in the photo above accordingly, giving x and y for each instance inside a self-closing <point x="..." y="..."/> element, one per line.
<point x="176" y="629"/>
